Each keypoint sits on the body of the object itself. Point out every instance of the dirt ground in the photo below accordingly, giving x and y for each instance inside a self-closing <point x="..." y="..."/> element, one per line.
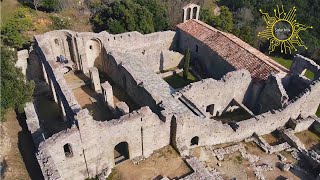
<point x="235" y="166"/>
<point x="165" y="162"/>
<point x="17" y="150"/>
<point x="309" y="139"/>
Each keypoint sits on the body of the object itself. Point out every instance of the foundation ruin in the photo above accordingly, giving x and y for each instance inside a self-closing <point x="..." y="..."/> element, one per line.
<point x="131" y="111"/>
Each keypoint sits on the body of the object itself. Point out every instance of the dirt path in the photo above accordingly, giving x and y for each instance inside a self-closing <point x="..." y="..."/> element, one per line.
<point x="17" y="150"/>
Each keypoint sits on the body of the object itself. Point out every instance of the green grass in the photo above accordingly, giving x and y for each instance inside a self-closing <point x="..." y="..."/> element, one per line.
<point x="287" y="63"/>
<point x="177" y="80"/>
<point x="318" y="112"/>
<point x="8" y="9"/>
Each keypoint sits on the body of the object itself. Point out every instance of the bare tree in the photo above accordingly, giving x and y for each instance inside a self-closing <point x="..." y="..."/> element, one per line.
<point x="36" y="3"/>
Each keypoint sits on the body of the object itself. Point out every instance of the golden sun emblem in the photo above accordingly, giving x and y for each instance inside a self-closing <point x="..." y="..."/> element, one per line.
<point x="283" y="30"/>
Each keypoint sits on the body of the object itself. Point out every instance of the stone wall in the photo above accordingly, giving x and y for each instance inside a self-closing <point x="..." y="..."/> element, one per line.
<point x="53" y="158"/>
<point x="300" y="64"/>
<point x="210" y="63"/>
<point x="146" y="134"/>
<point x="273" y="96"/>
<point x="211" y="132"/>
<point x="221" y="92"/>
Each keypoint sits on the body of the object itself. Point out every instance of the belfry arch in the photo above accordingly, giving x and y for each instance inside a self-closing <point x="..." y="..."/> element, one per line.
<point x="191" y="11"/>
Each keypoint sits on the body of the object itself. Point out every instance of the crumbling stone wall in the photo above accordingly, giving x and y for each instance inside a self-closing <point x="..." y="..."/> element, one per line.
<point x="300" y="64"/>
<point x="166" y="117"/>
<point x="221" y="92"/>
<point x="274" y="95"/>
<point x="66" y="165"/>
<point x="211" y="132"/>
<point x="98" y="145"/>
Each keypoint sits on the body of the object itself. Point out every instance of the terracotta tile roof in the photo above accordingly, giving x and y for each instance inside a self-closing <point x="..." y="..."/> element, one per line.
<point x="232" y="49"/>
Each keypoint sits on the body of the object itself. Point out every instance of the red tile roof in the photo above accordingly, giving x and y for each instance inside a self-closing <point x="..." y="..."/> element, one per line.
<point x="236" y="52"/>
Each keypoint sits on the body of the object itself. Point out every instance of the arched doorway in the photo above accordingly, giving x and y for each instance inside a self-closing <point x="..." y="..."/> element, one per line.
<point x="194" y="141"/>
<point x="121" y="152"/>
<point x="93" y="53"/>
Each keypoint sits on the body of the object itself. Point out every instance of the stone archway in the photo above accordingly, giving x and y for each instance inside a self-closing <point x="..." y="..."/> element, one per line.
<point x="93" y="50"/>
<point x="121" y="152"/>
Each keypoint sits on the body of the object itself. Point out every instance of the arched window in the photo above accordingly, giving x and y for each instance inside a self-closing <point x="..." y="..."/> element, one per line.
<point x="194" y="11"/>
<point x="56" y="41"/>
<point x="90" y="47"/>
<point x="188" y="13"/>
<point x="197" y="48"/>
<point x="194" y="141"/>
<point x="67" y="150"/>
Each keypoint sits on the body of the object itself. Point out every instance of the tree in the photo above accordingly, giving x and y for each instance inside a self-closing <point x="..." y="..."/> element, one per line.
<point x="122" y="16"/>
<point x="36" y="3"/>
<point x="223" y="21"/>
<point x="13" y="32"/>
<point x="159" y="12"/>
<point x="186" y="64"/>
<point x="15" y="92"/>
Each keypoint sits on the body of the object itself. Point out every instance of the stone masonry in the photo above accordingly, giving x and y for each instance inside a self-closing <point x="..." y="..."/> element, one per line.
<point x="134" y="62"/>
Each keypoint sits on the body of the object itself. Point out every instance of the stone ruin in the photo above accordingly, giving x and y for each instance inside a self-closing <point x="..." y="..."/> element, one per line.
<point x="235" y="77"/>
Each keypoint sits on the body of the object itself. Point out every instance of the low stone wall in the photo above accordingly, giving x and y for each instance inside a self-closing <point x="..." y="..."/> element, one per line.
<point x="200" y="172"/>
<point x="211" y="132"/>
<point x="300" y="124"/>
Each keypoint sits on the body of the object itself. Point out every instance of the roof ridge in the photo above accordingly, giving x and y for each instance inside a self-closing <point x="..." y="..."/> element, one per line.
<point x="274" y="64"/>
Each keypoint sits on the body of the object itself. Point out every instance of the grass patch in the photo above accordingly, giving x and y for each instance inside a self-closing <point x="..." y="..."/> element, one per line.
<point x="178" y="81"/>
<point x="318" y="112"/>
<point x="287" y="63"/>
<point x="8" y="9"/>
<point x="284" y="62"/>
<point x="239" y="159"/>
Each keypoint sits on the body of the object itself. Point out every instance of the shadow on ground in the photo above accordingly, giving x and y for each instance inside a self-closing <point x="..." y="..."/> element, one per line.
<point x="27" y="149"/>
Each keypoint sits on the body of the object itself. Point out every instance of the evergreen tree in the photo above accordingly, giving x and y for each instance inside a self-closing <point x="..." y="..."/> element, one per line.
<point x="15" y="92"/>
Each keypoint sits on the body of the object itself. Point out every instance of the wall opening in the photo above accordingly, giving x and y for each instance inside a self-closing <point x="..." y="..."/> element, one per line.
<point x="71" y="50"/>
<point x="210" y="109"/>
<point x="67" y="150"/>
<point x="93" y="53"/>
<point x="56" y="41"/>
<point x="308" y="74"/>
<point x="188" y="13"/>
<point x="194" y="141"/>
<point x="121" y="152"/>
<point x="197" y="48"/>
<point x="194" y="13"/>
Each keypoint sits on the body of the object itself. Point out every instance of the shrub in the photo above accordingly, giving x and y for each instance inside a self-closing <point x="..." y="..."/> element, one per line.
<point x="14" y="31"/>
<point x="60" y="23"/>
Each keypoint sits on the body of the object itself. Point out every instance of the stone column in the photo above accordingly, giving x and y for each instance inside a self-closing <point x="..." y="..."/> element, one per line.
<point x="53" y="90"/>
<point x="107" y="94"/>
<point x="45" y="73"/>
<point x="184" y="15"/>
<point x="95" y="80"/>
<point x="122" y="108"/>
<point x="64" y="115"/>
<point x="198" y="12"/>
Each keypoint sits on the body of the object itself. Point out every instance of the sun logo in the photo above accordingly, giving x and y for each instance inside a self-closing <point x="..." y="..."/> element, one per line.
<point x="283" y="30"/>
